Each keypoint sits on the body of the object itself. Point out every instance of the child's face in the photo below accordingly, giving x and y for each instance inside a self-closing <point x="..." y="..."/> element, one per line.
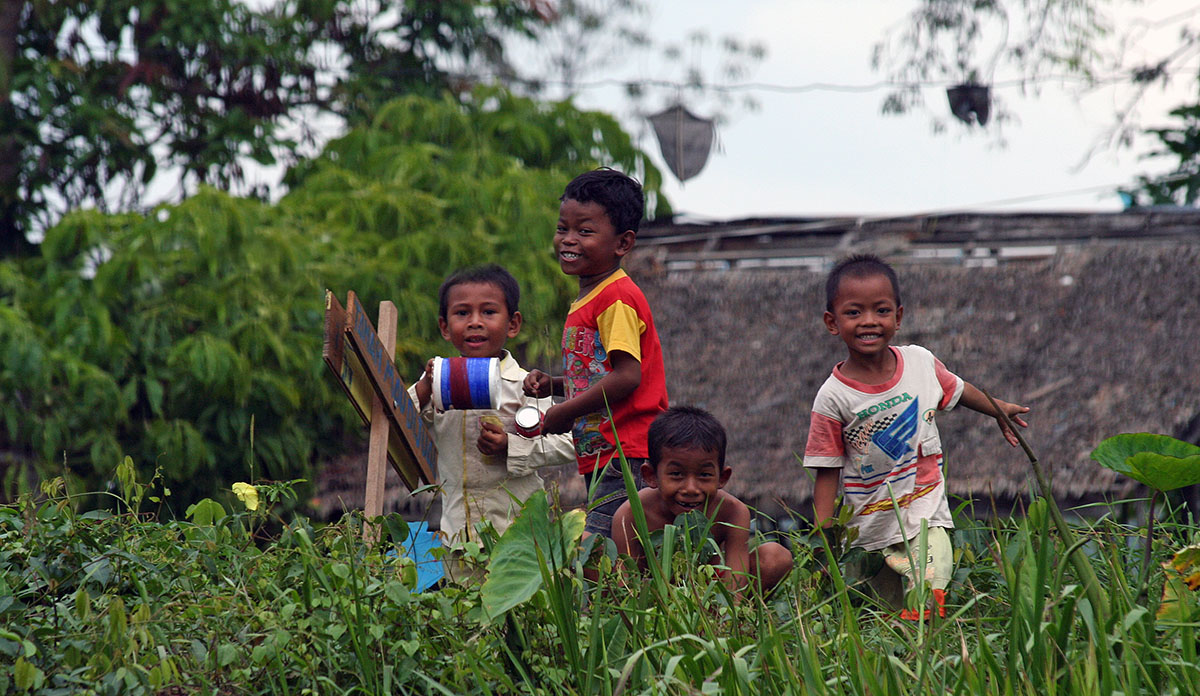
<point x="865" y="314"/>
<point x="477" y="321"/>
<point x="687" y="478"/>
<point x="585" y="241"/>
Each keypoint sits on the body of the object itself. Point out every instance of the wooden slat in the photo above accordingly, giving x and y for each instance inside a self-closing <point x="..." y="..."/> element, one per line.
<point x="410" y="449"/>
<point x="418" y="454"/>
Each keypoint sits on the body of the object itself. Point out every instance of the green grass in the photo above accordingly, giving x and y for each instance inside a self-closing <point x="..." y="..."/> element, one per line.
<point x="243" y="603"/>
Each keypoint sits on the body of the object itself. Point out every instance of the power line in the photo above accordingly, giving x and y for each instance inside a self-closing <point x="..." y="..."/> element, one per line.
<point x="1130" y="77"/>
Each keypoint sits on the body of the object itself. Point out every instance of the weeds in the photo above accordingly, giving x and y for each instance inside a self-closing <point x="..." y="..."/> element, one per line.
<point x="124" y="603"/>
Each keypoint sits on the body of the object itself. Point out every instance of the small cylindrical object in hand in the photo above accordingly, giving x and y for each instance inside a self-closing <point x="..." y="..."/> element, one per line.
<point x="466" y="383"/>
<point x="528" y="421"/>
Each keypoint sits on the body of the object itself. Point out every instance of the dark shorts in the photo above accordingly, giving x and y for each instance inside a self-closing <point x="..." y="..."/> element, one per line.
<point x="610" y="490"/>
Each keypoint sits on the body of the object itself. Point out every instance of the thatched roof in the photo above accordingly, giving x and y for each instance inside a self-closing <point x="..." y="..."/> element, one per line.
<point x="1091" y="320"/>
<point x="1094" y="333"/>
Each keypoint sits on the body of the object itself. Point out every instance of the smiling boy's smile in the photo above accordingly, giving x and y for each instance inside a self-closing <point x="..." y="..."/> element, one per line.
<point x="865" y="316"/>
<point x="587" y="244"/>
<point x="687" y="478"/>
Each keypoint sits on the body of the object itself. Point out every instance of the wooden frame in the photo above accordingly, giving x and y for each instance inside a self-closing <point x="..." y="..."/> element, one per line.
<point x="362" y="364"/>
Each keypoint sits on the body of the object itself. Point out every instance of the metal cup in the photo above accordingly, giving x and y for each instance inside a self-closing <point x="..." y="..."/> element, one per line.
<point x="528" y="421"/>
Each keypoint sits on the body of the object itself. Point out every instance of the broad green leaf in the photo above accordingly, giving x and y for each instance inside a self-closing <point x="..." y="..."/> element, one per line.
<point x="515" y="571"/>
<point x="205" y="512"/>
<point x="1161" y="462"/>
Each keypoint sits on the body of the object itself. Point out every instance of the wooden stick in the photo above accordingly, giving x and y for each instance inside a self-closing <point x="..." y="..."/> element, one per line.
<point x="377" y="451"/>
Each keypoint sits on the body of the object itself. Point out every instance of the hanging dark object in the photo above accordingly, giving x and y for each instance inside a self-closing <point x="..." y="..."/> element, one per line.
<point x="685" y="140"/>
<point x="970" y="103"/>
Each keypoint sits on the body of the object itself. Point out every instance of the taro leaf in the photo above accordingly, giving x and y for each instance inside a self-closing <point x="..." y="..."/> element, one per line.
<point x="1176" y="599"/>
<point x="515" y="571"/>
<point x="1161" y="462"/>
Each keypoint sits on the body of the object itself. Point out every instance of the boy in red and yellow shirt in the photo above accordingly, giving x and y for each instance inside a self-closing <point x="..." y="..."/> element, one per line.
<point x="612" y="360"/>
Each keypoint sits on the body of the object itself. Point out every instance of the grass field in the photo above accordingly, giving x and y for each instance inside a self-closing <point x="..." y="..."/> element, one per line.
<point x="135" y="601"/>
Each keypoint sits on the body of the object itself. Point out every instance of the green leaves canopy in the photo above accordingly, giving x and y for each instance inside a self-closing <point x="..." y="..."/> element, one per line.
<point x="189" y="338"/>
<point x="96" y="97"/>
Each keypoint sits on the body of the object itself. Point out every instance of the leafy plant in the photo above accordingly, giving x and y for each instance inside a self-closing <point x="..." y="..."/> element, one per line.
<point x="178" y="336"/>
<point x="1160" y="462"/>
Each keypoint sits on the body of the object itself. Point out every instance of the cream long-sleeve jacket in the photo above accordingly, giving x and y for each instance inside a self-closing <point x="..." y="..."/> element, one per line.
<point x="476" y="486"/>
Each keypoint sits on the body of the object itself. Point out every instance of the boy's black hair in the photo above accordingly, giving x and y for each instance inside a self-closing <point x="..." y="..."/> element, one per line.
<point x="859" y="266"/>
<point x="686" y="426"/>
<point x="490" y="273"/>
<point x="620" y="196"/>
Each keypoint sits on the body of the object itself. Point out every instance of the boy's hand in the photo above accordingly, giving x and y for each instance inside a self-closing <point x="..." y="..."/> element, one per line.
<point x="425" y="385"/>
<point x="1013" y="412"/>
<point x="493" y="440"/>
<point x="538" y="384"/>
<point x="556" y="420"/>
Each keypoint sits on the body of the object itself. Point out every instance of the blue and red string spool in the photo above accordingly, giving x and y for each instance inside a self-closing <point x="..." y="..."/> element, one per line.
<point x="466" y="383"/>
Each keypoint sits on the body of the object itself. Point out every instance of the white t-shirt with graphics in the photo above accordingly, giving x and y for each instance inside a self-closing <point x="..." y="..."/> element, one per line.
<point x="884" y="438"/>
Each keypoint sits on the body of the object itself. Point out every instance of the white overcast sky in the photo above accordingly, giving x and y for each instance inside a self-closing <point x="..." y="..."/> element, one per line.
<point x="825" y="152"/>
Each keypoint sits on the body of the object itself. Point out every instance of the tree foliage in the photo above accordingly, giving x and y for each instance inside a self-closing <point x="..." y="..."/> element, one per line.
<point x="97" y="98"/>
<point x="977" y="41"/>
<point x="1028" y="41"/>
<point x="189" y="338"/>
<point x="1181" y="143"/>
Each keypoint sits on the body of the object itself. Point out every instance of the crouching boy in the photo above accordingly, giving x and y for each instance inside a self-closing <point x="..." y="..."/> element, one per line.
<point x="686" y="471"/>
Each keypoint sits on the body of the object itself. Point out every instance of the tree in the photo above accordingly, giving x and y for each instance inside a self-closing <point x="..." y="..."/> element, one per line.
<point x="1181" y="185"/>
<point x="587" y="39"/>
<point x="98" y="99"/>
<point x="189" y="337"/>
<point x="975" y="41"/>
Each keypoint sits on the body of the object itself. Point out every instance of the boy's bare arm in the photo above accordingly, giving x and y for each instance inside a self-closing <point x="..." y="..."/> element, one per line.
<point x="975" y="400"/>
<point x="825" y="489"/>
<point x="624" y="535"/>
<point x="734" y="518"/>
<point x="626" y="375"/>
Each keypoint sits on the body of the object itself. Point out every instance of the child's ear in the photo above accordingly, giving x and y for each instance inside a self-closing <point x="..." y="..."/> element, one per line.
<point x="625" y="242"/>
<point x="649" y="475"/>
<point x="899" y="315"/>
<point x="514" y="324"/>
<point x="723" y="477"/>
<point x="444" y="328"/>
<point x="830" y="323"/>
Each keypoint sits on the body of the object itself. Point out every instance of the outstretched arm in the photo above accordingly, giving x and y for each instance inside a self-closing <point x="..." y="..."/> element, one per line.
<point x="626" y="375"/>
<point x="975" y="400"/>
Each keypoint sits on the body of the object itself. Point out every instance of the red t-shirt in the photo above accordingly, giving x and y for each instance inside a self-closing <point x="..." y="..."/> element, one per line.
<point x="613" y="316"/>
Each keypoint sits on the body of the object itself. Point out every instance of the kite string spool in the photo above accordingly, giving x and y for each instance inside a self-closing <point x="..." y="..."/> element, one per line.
<point x="466" y="383"/>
